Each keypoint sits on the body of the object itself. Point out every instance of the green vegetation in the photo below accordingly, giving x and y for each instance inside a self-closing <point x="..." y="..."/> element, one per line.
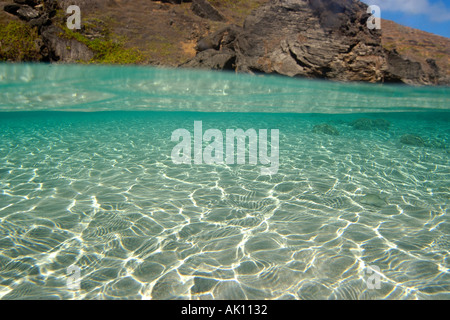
<point x="223" y="3"/>
<point x="390" y="46"/>
<point x="161" y="48"/>
<point x="18" y="42"/>
<point x="106" y="50"/>
<point x="230" y="3"/>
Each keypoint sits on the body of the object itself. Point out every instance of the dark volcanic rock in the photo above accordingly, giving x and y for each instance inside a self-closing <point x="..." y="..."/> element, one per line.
<point x="435" y="74"/>
<point x="31" y="3"/>
<point x="43" y="20"/>
<point x="50" y="6"/>
<point x="11" y="8"/>
<point x="213" y="60"/>
<point x="412" y="140"/>
<point x="65" y="50"/>
<point x="207" y="43"/>
<point x="326" y="129"/>
<point x="52" y="47"/>
<point x="204" y="9"/>
<point x="216" y="51"/>
<point x="173" y="1"/>
<point x="314" y="38"/>
<point x="27" y="13"/>
<point x="370" y="124"/>
<point x="418" y="141"/>
<point x="23" y="11"/>
<point x="404" y="70"/>
<point x="220" y="40"/>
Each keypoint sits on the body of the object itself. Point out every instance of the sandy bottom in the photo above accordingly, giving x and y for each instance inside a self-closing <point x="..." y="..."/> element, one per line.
<point x="99" y="191"/>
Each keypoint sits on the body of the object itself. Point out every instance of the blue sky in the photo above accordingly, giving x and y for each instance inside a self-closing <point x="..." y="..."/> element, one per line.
<point x="428" y="15"/>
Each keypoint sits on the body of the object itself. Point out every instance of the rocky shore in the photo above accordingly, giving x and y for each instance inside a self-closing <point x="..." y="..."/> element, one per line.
<point x="50" y="45"/>
<point x="296" y="38"/>
<point x="317" y="39"/>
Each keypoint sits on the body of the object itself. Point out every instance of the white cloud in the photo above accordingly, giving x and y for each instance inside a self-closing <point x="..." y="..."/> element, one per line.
<point x="436" y="11"/>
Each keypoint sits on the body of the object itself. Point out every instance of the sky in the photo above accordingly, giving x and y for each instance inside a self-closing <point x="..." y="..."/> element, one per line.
<point x="427" y="15"/>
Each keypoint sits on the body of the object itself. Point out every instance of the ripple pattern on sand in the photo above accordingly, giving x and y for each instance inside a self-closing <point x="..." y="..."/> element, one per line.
<point x="100" y="192"/>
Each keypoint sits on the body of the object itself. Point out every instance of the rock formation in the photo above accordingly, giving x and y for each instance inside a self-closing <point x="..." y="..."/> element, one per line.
<point x="309" y="38"/>
<point x="53" y="47"/>
<point x="325" y="128"/>
<point x="204" y="9"/>
<point x="418" y="141"/>
<point x="412" y="140"/>
<point x="370" y="124"/>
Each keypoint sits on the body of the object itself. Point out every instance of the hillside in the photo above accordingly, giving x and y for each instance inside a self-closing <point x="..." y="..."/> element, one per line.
<point x="165" y="33"/>
<point x="417" y="45"/>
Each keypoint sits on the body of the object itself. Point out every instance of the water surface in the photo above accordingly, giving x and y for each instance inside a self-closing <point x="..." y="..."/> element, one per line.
<point x="87" y="180"/>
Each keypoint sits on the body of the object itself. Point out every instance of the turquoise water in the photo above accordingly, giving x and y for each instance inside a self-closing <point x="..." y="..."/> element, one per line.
<point x="87" y="180"/>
